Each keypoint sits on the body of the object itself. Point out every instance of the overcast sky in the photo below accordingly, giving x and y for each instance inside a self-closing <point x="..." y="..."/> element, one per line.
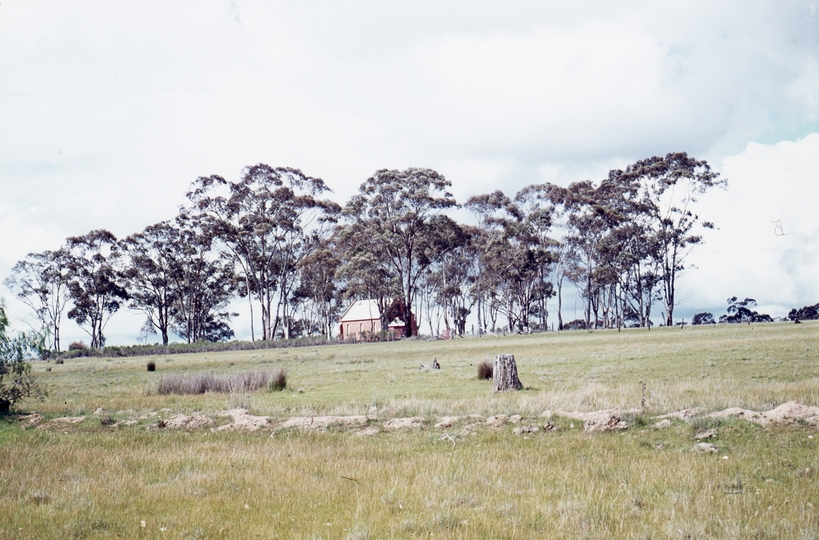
<point x="110" y="108"/>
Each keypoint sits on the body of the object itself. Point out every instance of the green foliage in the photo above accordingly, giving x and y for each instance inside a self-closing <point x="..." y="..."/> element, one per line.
<point x="739" y="312"/>
<point x="703" y="318"/>
<point x="16" y="380"/>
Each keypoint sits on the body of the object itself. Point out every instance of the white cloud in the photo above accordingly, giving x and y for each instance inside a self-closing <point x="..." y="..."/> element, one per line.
<point x="750" y="255"/>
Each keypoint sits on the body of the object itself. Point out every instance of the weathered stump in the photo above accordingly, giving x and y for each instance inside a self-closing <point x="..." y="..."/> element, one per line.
<point x="505" y="374"/>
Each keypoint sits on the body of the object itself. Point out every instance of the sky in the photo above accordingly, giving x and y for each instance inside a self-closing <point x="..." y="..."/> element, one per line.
<point x="109" y="109"/>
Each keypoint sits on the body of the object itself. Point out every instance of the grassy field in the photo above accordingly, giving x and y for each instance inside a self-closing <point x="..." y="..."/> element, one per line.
<point x="94" y="479"/>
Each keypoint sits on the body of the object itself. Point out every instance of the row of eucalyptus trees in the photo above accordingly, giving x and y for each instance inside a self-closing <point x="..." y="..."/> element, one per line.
<point x="298" y="258"/>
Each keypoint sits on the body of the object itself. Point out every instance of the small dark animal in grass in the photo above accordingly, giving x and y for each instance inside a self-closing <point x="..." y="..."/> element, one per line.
<point x="151" y="366"/>
<point x="485" y="370"/>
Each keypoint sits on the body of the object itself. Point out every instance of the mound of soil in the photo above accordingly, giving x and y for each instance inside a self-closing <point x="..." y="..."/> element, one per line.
<point x="606" y="420"/>
<point x="242" y="421"/>
<point x="181" y="421"/>
<point x="787" y="413"/>
<point x="404" y="423"/>
<point x="320" y="423"/>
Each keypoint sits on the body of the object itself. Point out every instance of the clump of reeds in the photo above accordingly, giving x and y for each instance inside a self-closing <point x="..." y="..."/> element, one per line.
<point x="200" y="383"/>
<point x="485" y="370"/>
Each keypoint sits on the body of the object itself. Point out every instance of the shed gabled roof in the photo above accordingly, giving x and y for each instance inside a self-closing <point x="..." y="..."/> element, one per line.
<point x="361" y="310"/>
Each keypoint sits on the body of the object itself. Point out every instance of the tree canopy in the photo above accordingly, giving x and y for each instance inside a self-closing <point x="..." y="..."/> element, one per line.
<point x="273" y="238"/>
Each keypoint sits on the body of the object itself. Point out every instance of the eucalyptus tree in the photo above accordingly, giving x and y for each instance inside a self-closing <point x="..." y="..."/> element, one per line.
<point x="454" y="277"/>
<point x="739" y="311"/>
<point x="400" y="216"/>
<point x="268" y="221"/>
<point x="321" y="292"/>
<point x="150" y="274"/>
<point x="516" y="259"/>
<point x="538" y="218"/>
<point x="41" y="282"/>
<point x="204" y="281"/>
<point x="671" y="185"/>
<point x="94" y="284"/>
<point x="596" y="218"/>
<point x="362" y="274"/>
<point x="490" y="211"/>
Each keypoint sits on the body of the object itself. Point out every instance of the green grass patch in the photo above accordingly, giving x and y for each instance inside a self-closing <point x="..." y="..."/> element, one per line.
<point x="101" y="477"/>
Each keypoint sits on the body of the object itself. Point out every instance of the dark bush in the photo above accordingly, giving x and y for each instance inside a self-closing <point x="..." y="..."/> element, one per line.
<point x="279" y="381"/>
<point x="485" y="370"/>
<point x="151" y="366"/>
<point x="78" y="346"/>
<point x="577" y="324"/>
<point x="806" y="313"/>
<point x="703" y="318"/>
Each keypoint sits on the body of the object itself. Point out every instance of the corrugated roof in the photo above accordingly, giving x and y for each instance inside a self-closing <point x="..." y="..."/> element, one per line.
<point x="361" y="310"/>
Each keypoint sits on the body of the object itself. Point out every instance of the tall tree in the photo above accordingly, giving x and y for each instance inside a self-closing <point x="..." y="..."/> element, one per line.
<point x="602" y="225"/>
<point x="491" y="211"/>
<point x="94" y="286"/>
<point x="41" y="282"/>
<point x="400" y="213"/>
<point x="150" y="271"/>
<point x="454" y="279"/>
<point x="362" y="274"/>
<point x="204" y="281"/>
<point x="269" y="221"/>
<point x="671" y="185"/>
<point x="319" y="289"/>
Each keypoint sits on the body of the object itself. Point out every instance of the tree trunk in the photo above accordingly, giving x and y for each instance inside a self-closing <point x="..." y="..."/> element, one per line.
<point x="505" y="374"/>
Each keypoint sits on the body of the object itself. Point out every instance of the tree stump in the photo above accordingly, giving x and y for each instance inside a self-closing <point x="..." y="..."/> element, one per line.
<point x="505" y="374"/>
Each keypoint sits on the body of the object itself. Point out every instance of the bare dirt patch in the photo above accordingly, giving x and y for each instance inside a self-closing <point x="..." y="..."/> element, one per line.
<point x="446" y="422"/>
<point x="29" y="420"/>
<point x="684" y="414"/>
<point x="181" y="421"/>
<point x="787" y="413"/>
<point x="605" y="420"/>
<point x="243" y="421"/>
<point x="404" y="423"/>
<point x="321" y="423"/>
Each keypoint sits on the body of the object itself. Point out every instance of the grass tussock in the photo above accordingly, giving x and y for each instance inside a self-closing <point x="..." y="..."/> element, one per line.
<point x="202" y="383"/>
<point x="278" y="381"/>
<point x="485" y="370"/>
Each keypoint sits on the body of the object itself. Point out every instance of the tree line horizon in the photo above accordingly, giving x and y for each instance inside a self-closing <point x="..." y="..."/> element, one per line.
<point x="298" y="258"/>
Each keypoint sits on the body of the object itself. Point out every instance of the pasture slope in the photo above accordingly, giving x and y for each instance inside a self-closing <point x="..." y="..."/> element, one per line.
<point x="364" y="444"/>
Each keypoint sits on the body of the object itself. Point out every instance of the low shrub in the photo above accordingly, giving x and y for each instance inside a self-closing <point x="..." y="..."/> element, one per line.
<point x="279" y="381"/>
<point x="78" y="346"/>
<point x="485" y="370"/>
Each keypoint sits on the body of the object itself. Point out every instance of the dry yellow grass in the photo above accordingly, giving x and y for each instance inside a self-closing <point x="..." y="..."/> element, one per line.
<point x="91" y="480"/>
